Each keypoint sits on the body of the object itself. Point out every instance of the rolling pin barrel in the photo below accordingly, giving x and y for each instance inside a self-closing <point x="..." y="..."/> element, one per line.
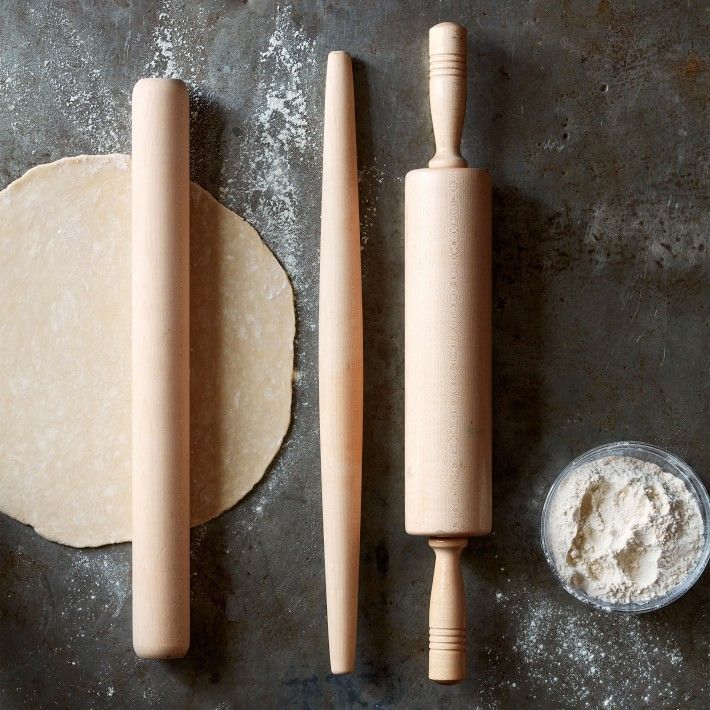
<point x="447" y="353"/>
<point x="160" y="369"/>
<point x="340" y="361"/>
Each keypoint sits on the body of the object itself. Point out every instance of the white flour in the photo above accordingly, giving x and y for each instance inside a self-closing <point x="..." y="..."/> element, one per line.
<point x="624" y="531"/>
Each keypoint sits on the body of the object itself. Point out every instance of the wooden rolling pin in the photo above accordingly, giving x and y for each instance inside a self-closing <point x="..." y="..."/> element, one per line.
<point x="340" y="376"/>
<point x="161" y="368"/>
<point x="447" y="352"/>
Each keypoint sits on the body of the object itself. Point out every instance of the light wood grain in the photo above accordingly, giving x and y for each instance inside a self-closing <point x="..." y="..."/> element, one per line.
<point x="160" y="369"/>
<point x="447" y="352"/>
<point x="340" y="374"/>
<point x="447" y="613"/>
<point x="447" y="92"/>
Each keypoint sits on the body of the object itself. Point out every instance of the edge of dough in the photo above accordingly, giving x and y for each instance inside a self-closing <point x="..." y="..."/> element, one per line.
<point x="122" y="162"/>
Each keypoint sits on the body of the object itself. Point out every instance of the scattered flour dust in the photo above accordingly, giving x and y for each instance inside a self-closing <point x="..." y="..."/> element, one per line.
<point x="62" y="80"/>
<point x="370" y="179"/>
<point x="572" y="655"/>
<point x="281" y="130"/>
<point x="278" y="141"/>
<point x="101" y="577"/>
<point x="623" y="530"/>
<point x="278" y="151"/>
<point x="178" y="49"/>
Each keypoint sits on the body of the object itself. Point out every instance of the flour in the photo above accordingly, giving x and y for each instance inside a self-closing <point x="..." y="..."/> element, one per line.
<point x="624" y="531"/>
<point x="277" y="143"/>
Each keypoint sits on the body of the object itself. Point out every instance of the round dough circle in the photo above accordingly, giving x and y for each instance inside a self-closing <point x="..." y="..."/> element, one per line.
<point x="65" y="313"/>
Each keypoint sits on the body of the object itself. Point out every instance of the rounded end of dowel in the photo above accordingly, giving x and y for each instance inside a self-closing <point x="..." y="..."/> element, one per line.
<point x="160" y="88"/>
<point x="341" y="664"/>
<point x="447" y="667"/>
<point x="338" y="82"/>
<point x="339" y="63"/>
<point x="447" y="39"/>
<point x="160" y="651"/>
<point x="342" y="631"/>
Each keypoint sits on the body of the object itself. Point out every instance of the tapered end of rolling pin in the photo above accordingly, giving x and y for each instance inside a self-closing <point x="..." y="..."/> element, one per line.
<point x="448" y="55"/>
<point x="340" y="369"/>
<point x="447" y="613"/>
<point x="160" y="251"/>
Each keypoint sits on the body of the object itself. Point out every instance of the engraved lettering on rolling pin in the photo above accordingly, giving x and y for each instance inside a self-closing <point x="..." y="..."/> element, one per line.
<point x="457" y="328"/>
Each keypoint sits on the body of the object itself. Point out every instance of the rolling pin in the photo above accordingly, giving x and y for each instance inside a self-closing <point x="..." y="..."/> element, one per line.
<point x="340" y="373"/>
<point x="161" y="368"/>
<point x="447" y="353"/>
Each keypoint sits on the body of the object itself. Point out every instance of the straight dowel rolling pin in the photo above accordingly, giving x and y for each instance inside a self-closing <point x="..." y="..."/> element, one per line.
<point x="447" y="353"/>
<point x="340" y="376"/>
<point x="160" y="186"/>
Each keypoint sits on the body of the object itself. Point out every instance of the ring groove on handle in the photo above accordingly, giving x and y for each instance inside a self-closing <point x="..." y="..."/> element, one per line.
<point x="447" y="639"/>
<point x="447" y="65"/>
<point x="447" y="92"/>
<point x="447" y="613"/>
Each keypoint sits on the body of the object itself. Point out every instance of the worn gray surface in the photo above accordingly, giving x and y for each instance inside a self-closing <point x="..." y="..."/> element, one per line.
<point x="593" y="120"/>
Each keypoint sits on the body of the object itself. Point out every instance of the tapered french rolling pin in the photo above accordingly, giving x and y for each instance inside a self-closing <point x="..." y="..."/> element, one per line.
<point x="447" y="353"/>
<point x="161" y="369"/>
<point x="340" y="374"/>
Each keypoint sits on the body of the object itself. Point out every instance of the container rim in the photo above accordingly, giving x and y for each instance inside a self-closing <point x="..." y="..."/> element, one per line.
<point x="667" y="462"/>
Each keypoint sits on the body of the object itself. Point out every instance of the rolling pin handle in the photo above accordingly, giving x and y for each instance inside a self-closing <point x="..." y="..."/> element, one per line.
<point x="447" y="613"/>
<point x="447" y="92"/>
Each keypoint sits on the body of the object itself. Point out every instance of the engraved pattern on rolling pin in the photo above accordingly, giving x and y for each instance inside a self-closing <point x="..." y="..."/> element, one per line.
<point x="447" y="353"/>
<point x="455" y="373"/>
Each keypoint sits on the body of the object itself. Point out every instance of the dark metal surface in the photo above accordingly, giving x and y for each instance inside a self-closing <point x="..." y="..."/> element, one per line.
<point x="593" y="119"/>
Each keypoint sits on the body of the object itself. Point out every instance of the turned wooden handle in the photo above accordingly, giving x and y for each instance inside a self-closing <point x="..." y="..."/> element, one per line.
<point x="340" y="375"/>
<point x="447" y="613"/>
<point x="161" y="369"/>
<point x="447" y="340"/>
<point x="447" y="92"/>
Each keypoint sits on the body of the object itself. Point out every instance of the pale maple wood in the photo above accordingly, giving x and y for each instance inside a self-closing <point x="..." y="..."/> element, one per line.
<point x="340" y="359"/>
<point x="160" y="369"/>
<point x="447" y="612"/>
<point x="447" y="92"/>
<point x="448" y="350"/>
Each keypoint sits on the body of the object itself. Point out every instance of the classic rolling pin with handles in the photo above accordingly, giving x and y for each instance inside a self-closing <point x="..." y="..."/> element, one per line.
<point x="447" y="353"/>
<point x="340" y="371"/>
<point x="160" y="205"/>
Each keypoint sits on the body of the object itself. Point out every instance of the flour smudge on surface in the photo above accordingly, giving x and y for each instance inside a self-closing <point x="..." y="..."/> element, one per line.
<point x="279" y="141"/>
<point x="72" y="86"/>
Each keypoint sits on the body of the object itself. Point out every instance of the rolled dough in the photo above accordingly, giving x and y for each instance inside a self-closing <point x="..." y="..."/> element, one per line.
<point x="65" y="354"/>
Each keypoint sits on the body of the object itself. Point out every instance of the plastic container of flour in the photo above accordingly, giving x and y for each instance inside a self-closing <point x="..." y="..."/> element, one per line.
<point x="667" y="463"/>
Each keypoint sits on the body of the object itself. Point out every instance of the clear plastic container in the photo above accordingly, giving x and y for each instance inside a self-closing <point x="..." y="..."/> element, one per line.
<point x="665" y="461"/>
